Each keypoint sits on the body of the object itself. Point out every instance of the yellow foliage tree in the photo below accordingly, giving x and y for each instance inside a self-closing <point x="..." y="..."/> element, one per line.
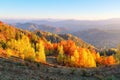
<point x="40" y="54"/>
<point x="22" y="47"/>
<point x="61" y="56"/>
<point x="29" y="54"/>
<point x="75" y="58"/>
<point x="9" y="52"/>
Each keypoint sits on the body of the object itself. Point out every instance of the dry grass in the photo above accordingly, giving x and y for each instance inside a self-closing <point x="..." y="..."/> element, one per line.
<point x="17" y="69"/>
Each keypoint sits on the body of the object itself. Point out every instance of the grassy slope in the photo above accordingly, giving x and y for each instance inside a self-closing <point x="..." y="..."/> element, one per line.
<point x="17" y="69"/>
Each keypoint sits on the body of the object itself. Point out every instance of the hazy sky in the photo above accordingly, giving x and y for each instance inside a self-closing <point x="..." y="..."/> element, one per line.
<point x="60" y="9"/>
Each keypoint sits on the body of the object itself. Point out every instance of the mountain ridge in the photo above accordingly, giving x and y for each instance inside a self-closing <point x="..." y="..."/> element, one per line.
<point x="73" y="25"/>
<point x="100" y="38"/>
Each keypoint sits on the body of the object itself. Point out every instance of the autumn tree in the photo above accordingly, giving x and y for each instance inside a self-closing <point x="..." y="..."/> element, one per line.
<point x="72" y="55"/>
<point x="40" y="53"/>
<point x="61" y="56"/>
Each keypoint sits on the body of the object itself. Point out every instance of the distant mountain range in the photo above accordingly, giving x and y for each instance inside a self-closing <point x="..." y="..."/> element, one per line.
<point x="100" y="38"/>
<point x="73" y="25"/>
<point x="101" y="33"/>
<point x="43" y="27"/>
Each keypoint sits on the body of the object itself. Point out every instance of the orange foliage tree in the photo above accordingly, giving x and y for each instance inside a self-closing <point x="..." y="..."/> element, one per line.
<point x="72" y="55"/>
<point x="109" y="60"/>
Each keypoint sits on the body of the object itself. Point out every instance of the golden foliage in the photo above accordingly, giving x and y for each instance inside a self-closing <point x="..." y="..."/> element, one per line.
<point x="23" y="49"/>
<point x="40" y="54"/>
<point x="28" y="46"/>
<point x="109" y="60"/>
<point x="70" y="54"/>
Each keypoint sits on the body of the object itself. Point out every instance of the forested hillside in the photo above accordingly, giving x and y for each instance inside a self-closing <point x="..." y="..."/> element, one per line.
<point x="34" y="47"/>
<point x="37" y="49"/>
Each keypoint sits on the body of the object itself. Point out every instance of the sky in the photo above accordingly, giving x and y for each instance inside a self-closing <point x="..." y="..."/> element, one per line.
<point x="60" y="9"/>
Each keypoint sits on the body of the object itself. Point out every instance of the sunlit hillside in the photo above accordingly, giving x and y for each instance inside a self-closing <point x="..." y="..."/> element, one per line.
<point x="48" y="49"/>
<point x="28" y="46"/>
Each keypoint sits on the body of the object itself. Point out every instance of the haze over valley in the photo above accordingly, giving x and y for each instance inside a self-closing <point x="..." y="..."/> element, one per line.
<point x="100" y="33"/>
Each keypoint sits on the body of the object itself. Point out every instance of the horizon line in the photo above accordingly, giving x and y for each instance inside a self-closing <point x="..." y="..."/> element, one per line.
<point x="57" y="19"/>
